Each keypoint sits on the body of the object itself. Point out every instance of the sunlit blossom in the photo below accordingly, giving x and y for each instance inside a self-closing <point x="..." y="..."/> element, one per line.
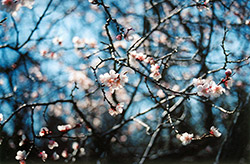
<point x="186" y="138"/>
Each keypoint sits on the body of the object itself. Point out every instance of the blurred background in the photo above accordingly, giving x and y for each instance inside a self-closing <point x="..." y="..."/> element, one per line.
<point x="53" y="52"/>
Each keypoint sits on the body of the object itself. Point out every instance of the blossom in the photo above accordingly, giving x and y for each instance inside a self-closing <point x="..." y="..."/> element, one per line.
<point x="44" y="131"/>
<point x="186" y="138"/>
<point x="155" y="74"/>
<point x="57" y="41"/>
<point x="208" y="88"/>
<point x="64" y="154"/>
<point x="217" y="90"/>
<point x="1" y="117"/>
<point x="13" y="6"/>
<point x="21" y="155"/>
<point x="64" y="128"/>
<point x="75" y="145"/>
<point x="52" y="144"/>
<point x="78" y="42"/>
<point x="43" y="155"/>
<point x="215" y="132"/>
<point x="197" y="82"/>
<point x="118" y="109"/>
<point x="138" y="56"/>
<point x="55" y="156"/>
<point x="113" y="80"/>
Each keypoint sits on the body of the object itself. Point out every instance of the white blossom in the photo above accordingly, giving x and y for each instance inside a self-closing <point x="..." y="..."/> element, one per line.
<point x="21" y="155"/>
<point x="186" y="138"/>
<point x="64" y="128"/>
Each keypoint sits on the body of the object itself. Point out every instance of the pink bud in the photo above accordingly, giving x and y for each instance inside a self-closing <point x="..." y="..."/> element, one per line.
<point x="119" y="37"/>
<point x="228" y="72"/>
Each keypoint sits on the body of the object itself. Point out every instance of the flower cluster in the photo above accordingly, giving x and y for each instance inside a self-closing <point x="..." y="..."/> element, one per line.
<point x="113" y="80"/>
<point x="208" y="88"/>
<point x="117" y="110"/>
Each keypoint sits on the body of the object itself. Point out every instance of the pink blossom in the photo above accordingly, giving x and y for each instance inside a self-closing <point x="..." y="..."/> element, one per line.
<point x="138" y="56"/>
<point x="43" y="155"/>
<point x="217" y="90"/>
<point x="215" y="132"/>
<point x="186" y="138"/>
<point x="113" y="80"/>
<point x="208" y="88"/>
<point x="52" y="144"/>
<point x="64" y="128"/>
<point x="155" y="74"/>
<point x="21" y="155"/>
<point x="118" y="109"/>
<point x="44" y="131"/>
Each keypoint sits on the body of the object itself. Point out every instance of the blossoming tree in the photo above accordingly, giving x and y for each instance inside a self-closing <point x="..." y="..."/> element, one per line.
<point x="101" y="79"/>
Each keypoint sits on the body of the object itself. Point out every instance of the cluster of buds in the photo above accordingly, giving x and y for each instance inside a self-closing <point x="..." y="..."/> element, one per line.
<point x="113" y="80"/>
